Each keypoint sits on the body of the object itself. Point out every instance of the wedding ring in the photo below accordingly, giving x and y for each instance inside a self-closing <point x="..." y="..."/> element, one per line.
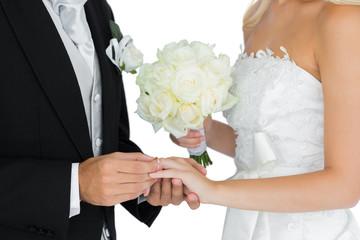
<point x="158" y="160"/>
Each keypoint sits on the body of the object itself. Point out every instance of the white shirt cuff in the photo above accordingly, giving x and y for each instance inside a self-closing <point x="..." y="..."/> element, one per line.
<point x="141" y="199"/>
<point x="74" y="191"/>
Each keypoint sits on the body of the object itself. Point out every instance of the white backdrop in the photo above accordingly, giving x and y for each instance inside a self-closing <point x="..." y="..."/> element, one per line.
<point x="152" y="24"/>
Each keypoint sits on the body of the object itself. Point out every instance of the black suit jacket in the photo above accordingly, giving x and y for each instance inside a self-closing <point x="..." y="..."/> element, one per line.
<point x="43" y="127"/>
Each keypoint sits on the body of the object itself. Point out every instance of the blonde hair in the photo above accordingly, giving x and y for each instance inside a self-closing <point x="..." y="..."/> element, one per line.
<point x="257" y="9"/>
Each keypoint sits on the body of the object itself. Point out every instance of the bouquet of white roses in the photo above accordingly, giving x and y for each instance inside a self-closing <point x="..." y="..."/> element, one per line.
<point x="186" y="85"/>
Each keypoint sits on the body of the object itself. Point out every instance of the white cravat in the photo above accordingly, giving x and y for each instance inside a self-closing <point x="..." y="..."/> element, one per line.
<point x="72" y="16"/>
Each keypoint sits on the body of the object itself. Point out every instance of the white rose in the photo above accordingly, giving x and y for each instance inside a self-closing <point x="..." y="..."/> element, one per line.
<point x="218" y="68"/>
<point x="228" y="100"/>
<point x="179" y="54"/>
<point x="181" y="57"/>
<point x="143" y="110"/>
<point x="163" y="104"/>
<point x="161" y="57"/>
<point x="174" y="45"/>
<point x="191" y="116"/>
<point x="145" y="72"/>
<point x="189" y="84"/>
<point x="175" y="126"/>
<point x="146" y="79"/>
<point x="203" y="52"/>
<point x="170" y="48"/>
<point x="163" y="75"/>
<point x="225" y="58"/>
<point x="211" y="80"/>
<point x="228" y="81"/>
<point x="131" y="58"/>
<point x="211" y="101"/>
<point x="188" y="117"/>
<point x="224" y="86"/>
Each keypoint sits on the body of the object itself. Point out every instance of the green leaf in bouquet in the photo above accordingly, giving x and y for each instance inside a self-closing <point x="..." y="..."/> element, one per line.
<point x="115" y="31"/>
<point x="204" y="159"/>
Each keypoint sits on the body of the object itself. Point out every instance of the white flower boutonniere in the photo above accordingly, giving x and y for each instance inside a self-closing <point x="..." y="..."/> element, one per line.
<point x="122" y="51"/>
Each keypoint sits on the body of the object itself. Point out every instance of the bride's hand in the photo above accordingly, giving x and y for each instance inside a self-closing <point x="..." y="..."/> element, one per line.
<point x="194" y="138"/>
<point x="187" y="170"/>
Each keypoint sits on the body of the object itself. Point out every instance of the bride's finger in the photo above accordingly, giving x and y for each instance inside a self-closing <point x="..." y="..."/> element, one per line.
<point x="174" y="139"/>
<point x="171" y="173"/>
<point x="182" y="164"/>
<point x="189" y="145"/>
<point x="193" y="134"/>
<point x="173" y="162"/>
<point x="193" y="141"/>
<point x="196" y="165"/>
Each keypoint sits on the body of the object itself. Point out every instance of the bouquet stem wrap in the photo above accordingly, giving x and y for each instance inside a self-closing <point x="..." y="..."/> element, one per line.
<point x="200" y="154"/>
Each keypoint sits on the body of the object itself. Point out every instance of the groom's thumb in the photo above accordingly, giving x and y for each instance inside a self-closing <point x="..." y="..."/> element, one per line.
<point x="193" y="201"/>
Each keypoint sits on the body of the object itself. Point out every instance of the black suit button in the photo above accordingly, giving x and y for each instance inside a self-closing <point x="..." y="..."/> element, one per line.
<point x="32" y="229"/>
<point x="41" y="231"/>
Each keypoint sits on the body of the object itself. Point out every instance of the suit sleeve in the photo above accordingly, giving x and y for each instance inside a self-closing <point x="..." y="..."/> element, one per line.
<point x="34" y="191"/>
<point x="34" y="195"/>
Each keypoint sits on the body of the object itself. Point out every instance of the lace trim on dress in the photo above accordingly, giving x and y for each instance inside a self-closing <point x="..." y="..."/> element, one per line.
<point x="261" y="53"/>
<point x="267" y="52"/>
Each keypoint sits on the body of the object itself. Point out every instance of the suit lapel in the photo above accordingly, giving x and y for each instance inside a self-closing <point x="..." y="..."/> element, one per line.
<point x="47" y="55"/>
<point x="99" y="25"/>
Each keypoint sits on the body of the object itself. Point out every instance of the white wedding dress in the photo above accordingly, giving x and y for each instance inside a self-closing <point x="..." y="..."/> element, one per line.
<point x="280" y="123"/>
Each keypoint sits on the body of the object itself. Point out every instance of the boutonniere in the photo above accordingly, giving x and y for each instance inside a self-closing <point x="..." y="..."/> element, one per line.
<point x="122" y="51"/>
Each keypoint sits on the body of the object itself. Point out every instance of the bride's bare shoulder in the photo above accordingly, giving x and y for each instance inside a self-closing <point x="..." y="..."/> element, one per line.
<point x="338" y="28"/>
<point x="339" y="17"/>
<point x="338" y="38"/>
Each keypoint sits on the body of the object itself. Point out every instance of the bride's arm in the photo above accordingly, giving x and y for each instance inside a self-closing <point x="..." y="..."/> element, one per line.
<point x="338" y="185"/>
<point x="219" y="136"/>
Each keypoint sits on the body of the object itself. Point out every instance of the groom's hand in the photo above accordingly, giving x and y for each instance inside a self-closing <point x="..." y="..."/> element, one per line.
<point x="114" y="178"/>
<point x="172" y="191"/>
<point x="166" y="191"/>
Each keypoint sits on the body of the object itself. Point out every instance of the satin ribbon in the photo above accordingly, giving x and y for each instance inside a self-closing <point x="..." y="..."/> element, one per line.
<point x="115" y="50"/>
<point x="241" y="224"/>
